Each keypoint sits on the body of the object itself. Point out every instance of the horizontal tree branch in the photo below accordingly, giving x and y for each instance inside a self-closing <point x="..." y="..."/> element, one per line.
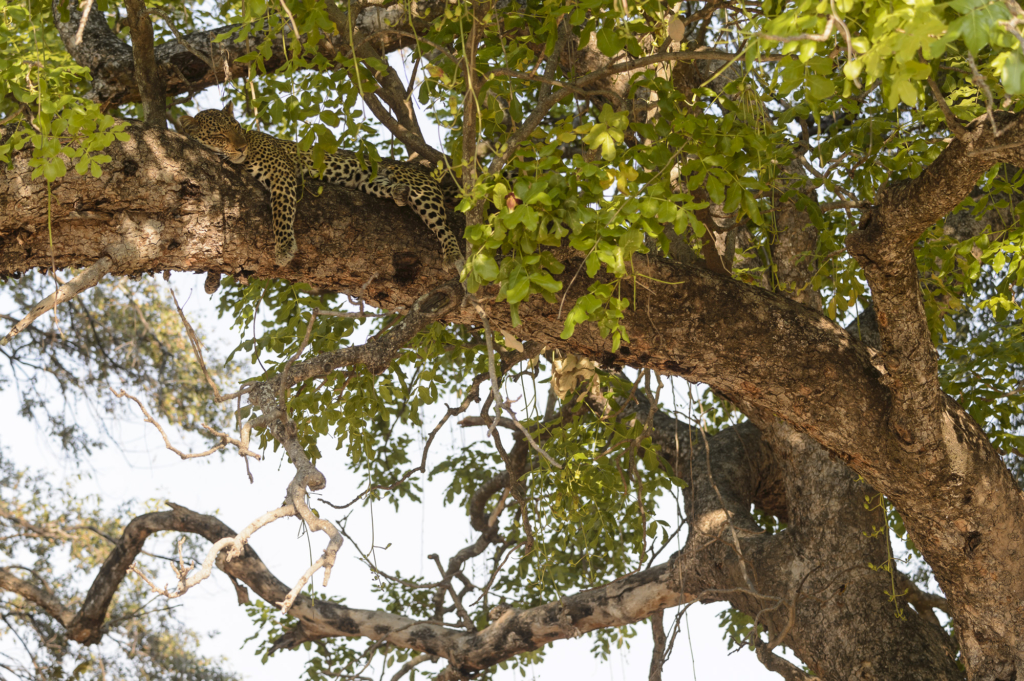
<point x="194" y="61"/>
<point x="164" y="203"/>
<point x="621" y="602"/>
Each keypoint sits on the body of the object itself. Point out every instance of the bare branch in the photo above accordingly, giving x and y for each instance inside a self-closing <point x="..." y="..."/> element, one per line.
<point x="42" y="597"/>
<point x="232" y="548"/>
<point x="82" y="281"/>
<point x="779" y="665"/>
<point x="81" y="24"/>
<point x="225" y="439"/>
<point x="658" y="653"/>
<point x="467" y="621"/>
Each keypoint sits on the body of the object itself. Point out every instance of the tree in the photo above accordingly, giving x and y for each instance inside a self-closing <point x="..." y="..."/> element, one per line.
<point x="812" y="209"/>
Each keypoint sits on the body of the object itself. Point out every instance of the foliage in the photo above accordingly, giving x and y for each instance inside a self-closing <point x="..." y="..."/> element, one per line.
<point x="50" y="535"/>
<point x="125" y="333"/>
<point x="796" y="114"/>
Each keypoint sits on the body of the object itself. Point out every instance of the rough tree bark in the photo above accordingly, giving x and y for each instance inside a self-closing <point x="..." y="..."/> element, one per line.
<point x="816" y="391"/>
<point x="833" y="418"/>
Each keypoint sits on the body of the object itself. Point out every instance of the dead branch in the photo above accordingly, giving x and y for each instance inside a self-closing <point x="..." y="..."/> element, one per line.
<point x="85" y="279"/>
<point x="225" y="438"/>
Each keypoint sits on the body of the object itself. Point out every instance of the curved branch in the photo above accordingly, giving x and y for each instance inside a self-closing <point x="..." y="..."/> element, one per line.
<point x="621" y="602"/>
<point x="162" y="203"/>
<point x="194" y="61"/>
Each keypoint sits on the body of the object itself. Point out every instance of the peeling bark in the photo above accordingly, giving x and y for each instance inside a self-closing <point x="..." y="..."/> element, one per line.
<point x="814" y="389"/>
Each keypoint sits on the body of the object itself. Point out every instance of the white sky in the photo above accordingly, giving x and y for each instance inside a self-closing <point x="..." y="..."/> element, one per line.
<point x="139" y="468"/>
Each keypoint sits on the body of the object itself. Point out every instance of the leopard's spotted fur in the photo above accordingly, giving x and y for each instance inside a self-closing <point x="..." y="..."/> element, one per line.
<point x="277" y="163"/>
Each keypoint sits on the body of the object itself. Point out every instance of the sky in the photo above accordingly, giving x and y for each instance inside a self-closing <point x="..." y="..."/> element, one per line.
<point x="138" y="467"/>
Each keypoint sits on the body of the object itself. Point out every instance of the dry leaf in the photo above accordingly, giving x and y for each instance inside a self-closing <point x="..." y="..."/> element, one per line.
<point x="511" y="342"/>
<point x="676" y="29"/>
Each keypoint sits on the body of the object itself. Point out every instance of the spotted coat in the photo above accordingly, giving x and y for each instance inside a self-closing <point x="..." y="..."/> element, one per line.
<point x="278" y="163"/>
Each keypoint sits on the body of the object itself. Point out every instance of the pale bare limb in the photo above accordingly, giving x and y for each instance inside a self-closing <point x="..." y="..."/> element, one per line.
<point x="276" y="419"/>
<point x="243" y="447"/>
<point x="81" y="24"/>
<point x="232" y="545"/>
<point x="83" y="280"/>
<point x="289" y="600"/>
<point x="225" y="439"/>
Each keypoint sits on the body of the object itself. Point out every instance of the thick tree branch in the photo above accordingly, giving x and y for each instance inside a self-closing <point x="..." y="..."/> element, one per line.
<point x="621" y="602"/>
<point x="884" y="247"/>
<point x="194" y="61"/>
<point x="951" y="450"/>
<point x="163" y="203"/>
<point x="45" y="599"/>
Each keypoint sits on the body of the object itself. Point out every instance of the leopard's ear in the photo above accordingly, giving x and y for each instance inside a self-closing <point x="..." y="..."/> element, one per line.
<point x="230" y="109"/>
<point x="185" y="120"/>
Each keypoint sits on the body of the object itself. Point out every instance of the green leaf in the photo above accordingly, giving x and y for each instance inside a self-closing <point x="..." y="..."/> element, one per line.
<point x="732" y="197"/>
<point x="546" y="282"/>
<point x="1012" y="74"/>
<point x="974" y="29"/>
<point x="485" y="267"/>
<point x="751" y="208"/>
<point x="901" y="90"/>
<point x="716" y="190"/>
<point x="519" y="291"/>
<point x="609" y="41"/>
<point x="807" y="50"/>
<point x="820" y="87"/>
<point x="54" y="169"/>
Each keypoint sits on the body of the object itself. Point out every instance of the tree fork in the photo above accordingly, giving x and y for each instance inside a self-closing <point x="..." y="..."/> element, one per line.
<point x="162" y="204"/>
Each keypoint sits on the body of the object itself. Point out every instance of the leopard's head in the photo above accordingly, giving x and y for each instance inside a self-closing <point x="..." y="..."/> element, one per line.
<point x="218" y="130"/>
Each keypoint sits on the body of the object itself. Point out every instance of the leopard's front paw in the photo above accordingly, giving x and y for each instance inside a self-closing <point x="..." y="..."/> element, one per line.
<point x="284" y="252"/>
<point x="455" y="263"/>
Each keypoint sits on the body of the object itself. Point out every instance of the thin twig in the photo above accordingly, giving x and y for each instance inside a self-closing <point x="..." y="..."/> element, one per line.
<point x="177" y="37"/>
<point x="467" y="621"/>
<point x="225" y="439"/>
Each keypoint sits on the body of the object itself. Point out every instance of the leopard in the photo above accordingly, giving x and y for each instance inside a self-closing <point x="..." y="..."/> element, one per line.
<point x="279" y="164"/>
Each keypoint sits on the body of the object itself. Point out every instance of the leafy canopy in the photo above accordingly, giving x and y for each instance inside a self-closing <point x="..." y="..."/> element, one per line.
<point x="817" y="104"/>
